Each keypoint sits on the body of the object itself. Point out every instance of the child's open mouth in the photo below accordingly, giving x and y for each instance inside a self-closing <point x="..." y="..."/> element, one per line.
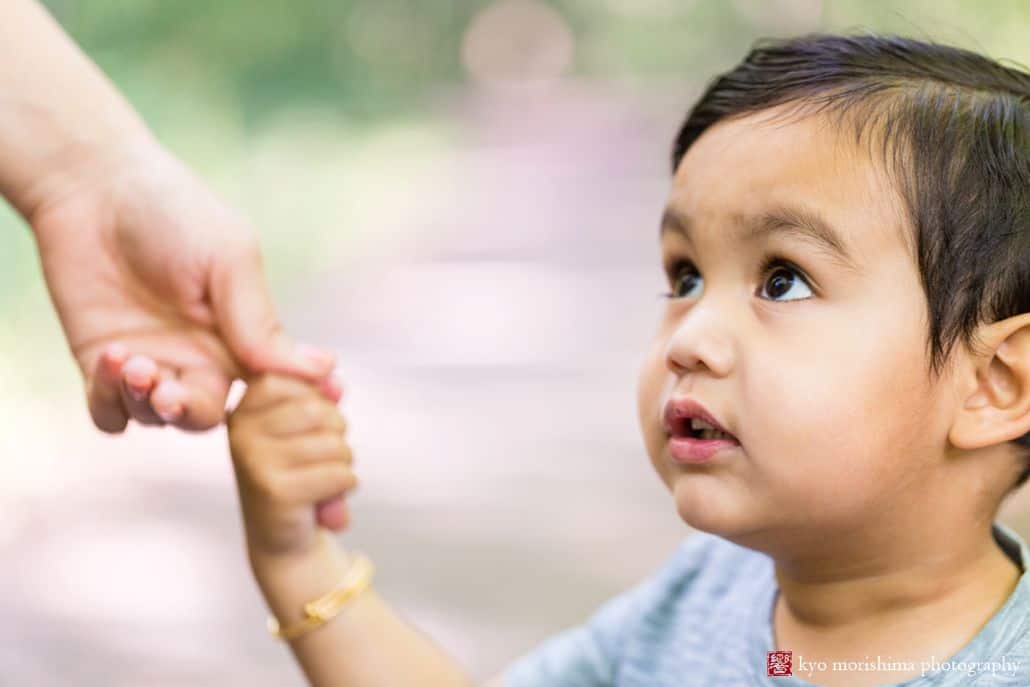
<point x="697" y="449"/>
<point x="694" y="434"/>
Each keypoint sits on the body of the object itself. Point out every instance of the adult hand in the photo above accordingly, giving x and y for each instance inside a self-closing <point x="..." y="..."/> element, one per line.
<point x="160" y="290"/>
<point x="158" y="285"/>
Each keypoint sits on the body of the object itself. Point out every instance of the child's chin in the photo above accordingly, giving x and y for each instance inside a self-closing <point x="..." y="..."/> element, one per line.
<point x="708" y="508"/>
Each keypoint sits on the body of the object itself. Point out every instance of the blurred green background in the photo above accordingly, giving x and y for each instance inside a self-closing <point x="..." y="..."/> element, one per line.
<point x="370" y="59"/>
<point x="323" y="85"/>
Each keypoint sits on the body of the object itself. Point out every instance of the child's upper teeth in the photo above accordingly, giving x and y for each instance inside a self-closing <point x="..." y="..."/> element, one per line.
<point x="698" y="423"/>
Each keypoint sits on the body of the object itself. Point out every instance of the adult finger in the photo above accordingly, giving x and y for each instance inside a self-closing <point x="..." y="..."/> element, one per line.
<point x="140" y="375"/>
<point x="248" y="322"/>
<point x="195" y="401"/>
<point x="331" y="387"/>
<point x="103" y="394"/>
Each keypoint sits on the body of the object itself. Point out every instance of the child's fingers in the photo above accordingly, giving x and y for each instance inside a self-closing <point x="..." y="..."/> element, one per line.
<point x="268" y="390"/>
<point x="303" y="416"/>
<point x="318" y="482"/>
<point x="104" y="394"/>
<point x="312" y="449"/>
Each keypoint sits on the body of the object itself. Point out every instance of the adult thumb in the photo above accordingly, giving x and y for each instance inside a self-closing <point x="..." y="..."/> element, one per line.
<point x="248" y="323"/>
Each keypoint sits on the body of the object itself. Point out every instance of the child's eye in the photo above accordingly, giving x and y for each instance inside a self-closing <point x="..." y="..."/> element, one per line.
<point x="684" y="275"/>
<point x="779" y="275"/>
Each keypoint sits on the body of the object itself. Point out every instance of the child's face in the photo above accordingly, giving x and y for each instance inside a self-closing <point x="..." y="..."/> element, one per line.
<point x="825" y="383"/>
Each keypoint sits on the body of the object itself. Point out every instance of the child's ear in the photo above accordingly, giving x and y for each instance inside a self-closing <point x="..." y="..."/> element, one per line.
<point x="995" y="387"/>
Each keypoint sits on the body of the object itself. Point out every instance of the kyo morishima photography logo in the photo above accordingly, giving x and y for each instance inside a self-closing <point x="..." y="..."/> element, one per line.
<point x="784" y="663"/>
<point x="778" y="664"/>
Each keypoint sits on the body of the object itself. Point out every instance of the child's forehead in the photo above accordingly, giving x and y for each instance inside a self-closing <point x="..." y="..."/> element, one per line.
<point x="765" y="164"/>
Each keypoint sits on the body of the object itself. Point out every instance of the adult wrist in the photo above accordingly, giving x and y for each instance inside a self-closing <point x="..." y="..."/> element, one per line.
<point x="80" y="168"/>
<point x="59" y="113"/>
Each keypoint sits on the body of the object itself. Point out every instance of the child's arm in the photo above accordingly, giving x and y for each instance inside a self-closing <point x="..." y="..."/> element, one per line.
<point x="289" y="453"/>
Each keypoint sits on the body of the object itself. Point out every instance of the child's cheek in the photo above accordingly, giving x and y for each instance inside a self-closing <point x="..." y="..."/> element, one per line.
<point x="836" y="439"/>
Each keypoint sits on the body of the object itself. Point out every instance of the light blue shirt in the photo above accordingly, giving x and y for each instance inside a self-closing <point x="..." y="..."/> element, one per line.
<point x="703" y="619"/>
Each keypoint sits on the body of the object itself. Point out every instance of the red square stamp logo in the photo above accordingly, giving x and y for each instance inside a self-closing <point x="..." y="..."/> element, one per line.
<point x="778" y="664"/>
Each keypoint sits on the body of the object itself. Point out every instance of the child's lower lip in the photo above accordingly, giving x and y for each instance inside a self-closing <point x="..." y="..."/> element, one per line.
<point x="693" y="451"/>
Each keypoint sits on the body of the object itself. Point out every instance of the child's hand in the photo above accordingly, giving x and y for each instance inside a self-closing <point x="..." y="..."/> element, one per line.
<point x="288" y="450"/>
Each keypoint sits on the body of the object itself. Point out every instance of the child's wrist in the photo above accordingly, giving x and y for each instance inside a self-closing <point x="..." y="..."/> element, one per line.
<point x="288" y="583"/>
<point x="300" y="576"/>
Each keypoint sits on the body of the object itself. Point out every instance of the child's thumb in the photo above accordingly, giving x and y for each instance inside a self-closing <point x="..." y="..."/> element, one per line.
<point x="332" y="513"/>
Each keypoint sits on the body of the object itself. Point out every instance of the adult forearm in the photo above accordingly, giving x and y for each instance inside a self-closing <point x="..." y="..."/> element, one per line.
<point x="366" y="645"/>
<point x="58" y="112"/>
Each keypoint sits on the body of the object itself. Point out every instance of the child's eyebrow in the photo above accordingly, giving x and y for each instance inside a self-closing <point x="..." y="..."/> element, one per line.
<point x="800" y="223"/>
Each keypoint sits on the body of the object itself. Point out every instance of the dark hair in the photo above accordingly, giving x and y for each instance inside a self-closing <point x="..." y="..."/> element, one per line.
<point x="954" y="127"/>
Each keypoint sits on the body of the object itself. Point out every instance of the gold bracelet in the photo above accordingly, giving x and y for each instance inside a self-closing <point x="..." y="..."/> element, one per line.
<point x="329" y="605"/>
